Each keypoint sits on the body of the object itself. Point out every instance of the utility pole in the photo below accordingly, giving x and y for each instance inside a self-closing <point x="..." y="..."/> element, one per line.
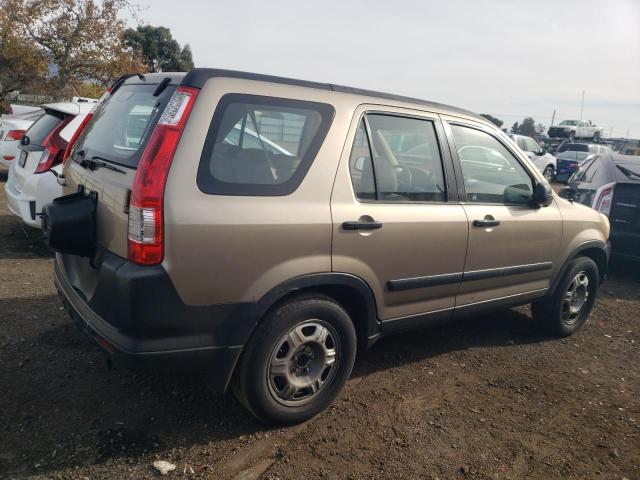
<point x="553" y="117"/>
<point x="582" y="105"/>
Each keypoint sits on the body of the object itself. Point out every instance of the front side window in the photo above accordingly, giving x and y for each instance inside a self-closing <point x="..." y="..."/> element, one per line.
<point x="406" y="164"/>
<point x="491" y="173"/>
<point x="261" y="145"/>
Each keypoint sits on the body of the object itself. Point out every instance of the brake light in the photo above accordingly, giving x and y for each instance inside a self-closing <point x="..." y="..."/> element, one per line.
<point x="146" y="235"/>
<point x="83" y="124"/>
<point x="603" y="203"/>
<point x="14" y="135"/>
<point x="54" y="147"/>
<point x="573" y="165"/>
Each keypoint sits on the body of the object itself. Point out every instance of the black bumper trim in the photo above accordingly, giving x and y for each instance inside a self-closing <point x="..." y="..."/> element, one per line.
<point x="191" y="351"/>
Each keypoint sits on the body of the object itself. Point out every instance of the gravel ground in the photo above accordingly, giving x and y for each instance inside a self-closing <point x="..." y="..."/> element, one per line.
<point x="489" y="398"/>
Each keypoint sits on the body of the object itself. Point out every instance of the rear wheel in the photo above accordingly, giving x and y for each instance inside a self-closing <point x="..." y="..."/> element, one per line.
<point x="568" y="309"/>
<point x="572" y="136"/>
<point x="297" y="360"/>
<point x="549" y="173"/>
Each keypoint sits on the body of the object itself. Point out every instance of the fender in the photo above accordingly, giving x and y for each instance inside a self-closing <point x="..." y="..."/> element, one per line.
<point x="606" y="250"/>
<point x="367" y="327"/>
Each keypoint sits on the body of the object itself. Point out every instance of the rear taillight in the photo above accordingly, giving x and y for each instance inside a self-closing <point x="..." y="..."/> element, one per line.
<point x="573" y="165"/>
<point x="146" y="236"/>
<point x="14" y="135"/>
<point x="54" y="147"/>
<point x="83" y="124"/>
<point x="604" y="200"/>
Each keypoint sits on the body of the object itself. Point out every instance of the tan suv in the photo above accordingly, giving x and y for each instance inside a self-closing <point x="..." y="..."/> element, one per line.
<point x="258" y="229"/>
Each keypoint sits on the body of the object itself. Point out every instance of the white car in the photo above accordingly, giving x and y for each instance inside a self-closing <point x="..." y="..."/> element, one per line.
<point x="545" y="162"/>
<point x="573" y="129"/>
<point x="12" y="128"/>
<point x="32" y="180"/>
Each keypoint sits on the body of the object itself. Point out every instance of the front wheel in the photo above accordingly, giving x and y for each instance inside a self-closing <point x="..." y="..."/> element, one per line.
<point x="549" y="173"/>
<point x="568" y="309"/>
<point x="297" y="361"/>
<point x="572" y="136"/>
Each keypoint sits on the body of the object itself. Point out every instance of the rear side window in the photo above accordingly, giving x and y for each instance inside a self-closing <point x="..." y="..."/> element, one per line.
<point x="261" y="145"/>
<point x="121" y="127"/>
<point x="44" y="126"/>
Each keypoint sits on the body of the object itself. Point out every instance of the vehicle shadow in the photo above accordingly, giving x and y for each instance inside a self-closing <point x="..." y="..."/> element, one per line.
<point x="61" y="406"/>
<point x="20" y="241"/>
<point x="507" y="328"/>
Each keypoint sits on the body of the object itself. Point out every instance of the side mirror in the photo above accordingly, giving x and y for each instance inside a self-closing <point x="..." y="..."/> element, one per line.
<point x="542" y="195"/>
<point x="540" y="152"/>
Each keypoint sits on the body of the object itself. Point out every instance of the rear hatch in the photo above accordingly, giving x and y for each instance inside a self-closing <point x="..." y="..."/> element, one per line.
<point x="105" y="157"/>
<point x="625" y="210"/>
<point x="39" y="138"/>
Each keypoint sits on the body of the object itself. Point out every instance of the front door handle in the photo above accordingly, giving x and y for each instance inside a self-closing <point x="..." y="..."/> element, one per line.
<point x="372" y="225"/>
<point x="488" y="221"/>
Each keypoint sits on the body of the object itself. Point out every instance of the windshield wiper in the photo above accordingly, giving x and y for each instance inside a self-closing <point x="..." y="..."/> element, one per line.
<point x="628" y="173"/>
<point x="96" y="161"/>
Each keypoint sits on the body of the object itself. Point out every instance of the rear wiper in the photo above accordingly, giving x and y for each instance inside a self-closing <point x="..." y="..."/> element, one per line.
<point x="627" y="172"/>
<point x="96" y="161"/>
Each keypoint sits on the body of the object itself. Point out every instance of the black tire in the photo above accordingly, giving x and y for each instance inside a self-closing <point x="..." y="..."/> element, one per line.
<point x="253" y="384"/>
<point x="555" y="313"/>
<point x="549" y="173"/>
<point x="596" y="137"/>
<point x="572" y="136"/>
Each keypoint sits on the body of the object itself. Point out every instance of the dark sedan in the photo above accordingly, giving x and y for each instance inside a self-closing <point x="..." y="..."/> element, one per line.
<point x="611" y="185"/>
<point x="568" y="162"/>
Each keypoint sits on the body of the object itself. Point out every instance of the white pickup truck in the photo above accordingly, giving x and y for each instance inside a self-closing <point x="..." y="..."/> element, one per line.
<point x="573" y="129"/>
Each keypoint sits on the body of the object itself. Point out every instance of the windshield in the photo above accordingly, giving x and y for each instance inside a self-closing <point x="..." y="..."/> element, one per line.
<point x="569" y="122"/>
<point x="579" y="156"/>
<point x="120" y="128"/>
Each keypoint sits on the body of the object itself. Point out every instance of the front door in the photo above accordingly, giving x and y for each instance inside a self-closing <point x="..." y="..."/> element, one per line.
<point x="396" y="220"/>
<point x="513" y="247"/>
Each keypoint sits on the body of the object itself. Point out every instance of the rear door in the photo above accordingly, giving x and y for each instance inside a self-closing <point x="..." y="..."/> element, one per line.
<point x="513" y="247"/>
<point x="396" y="220"/>
<point x="105" y="156"/>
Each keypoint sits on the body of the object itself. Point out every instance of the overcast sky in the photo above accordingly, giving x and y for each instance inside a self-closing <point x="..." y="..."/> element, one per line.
<point x="504" y="57"/>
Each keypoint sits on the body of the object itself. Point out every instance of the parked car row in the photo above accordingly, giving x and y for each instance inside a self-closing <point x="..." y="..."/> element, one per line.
<point x="12" y="128"/>
<point x="33" y="175"/>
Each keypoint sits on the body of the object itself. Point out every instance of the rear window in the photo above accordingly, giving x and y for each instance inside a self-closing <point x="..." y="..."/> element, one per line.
<point x="261" y="145"/>
<point x="43" y="126"/>
<point x="574" y="147"/>
<point x="121" y="127"/>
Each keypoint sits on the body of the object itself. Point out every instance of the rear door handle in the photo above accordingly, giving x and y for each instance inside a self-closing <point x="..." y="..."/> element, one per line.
<point x="487" y="222"/>
<point x="361" y="225"/>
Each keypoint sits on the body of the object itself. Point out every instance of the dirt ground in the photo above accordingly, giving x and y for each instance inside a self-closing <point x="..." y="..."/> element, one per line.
<point x="490" y="398"/>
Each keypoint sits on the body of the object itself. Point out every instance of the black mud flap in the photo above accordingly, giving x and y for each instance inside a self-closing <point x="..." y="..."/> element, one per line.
<point x="69" y="223"/>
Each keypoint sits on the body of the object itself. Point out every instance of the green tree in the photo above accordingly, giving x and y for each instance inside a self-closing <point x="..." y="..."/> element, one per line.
<point x="83" y="39"/>
<point x="22" y="64"/>
<point x="158" y="49"/>
<point x="515" y="128"/>
<point x="528" y="127"/>
<point x="496" y="121"/>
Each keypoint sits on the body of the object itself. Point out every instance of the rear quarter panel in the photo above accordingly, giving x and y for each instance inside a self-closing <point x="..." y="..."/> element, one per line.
<point x="227" y="249"/>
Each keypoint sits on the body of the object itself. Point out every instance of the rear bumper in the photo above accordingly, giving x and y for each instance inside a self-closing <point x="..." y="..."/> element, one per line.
<point x="38" y="189"/>
<point x="153" y="327"/>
